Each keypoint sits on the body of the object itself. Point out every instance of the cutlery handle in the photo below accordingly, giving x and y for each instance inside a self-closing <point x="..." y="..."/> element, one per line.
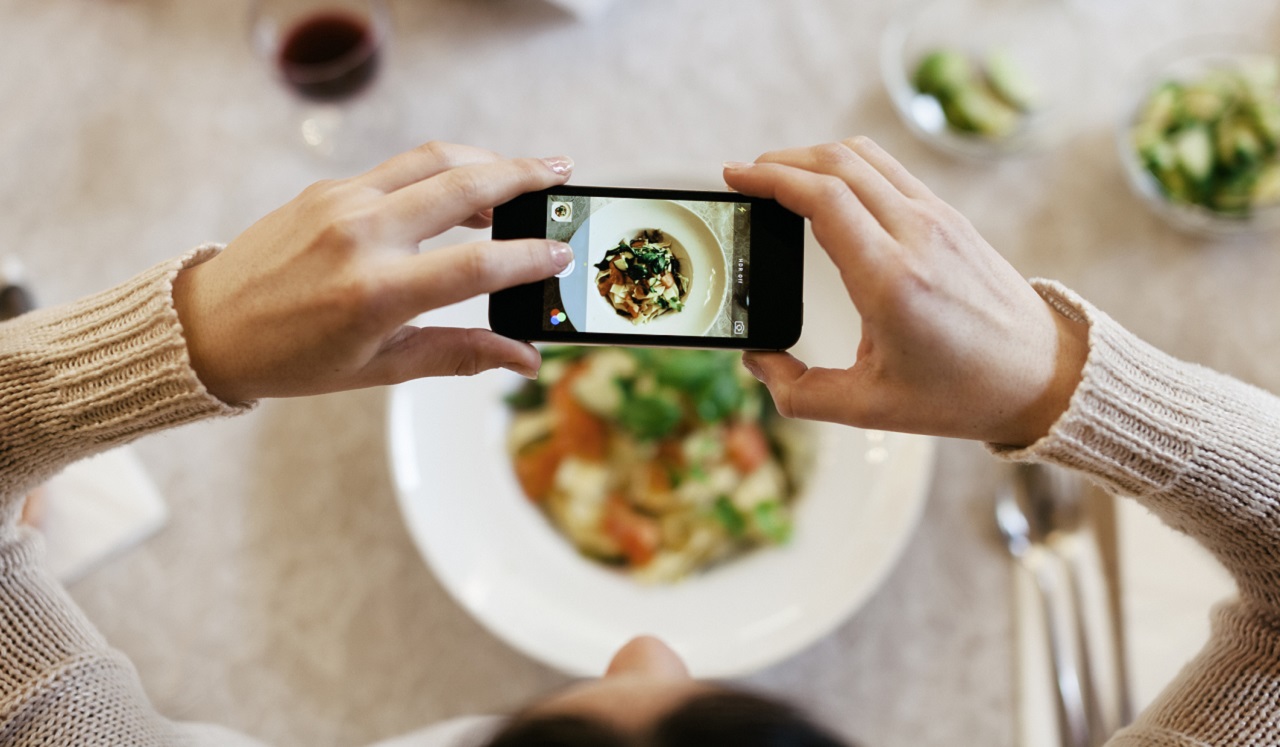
<point x="1049" y="574"/>
<point x="1102" y="667"/>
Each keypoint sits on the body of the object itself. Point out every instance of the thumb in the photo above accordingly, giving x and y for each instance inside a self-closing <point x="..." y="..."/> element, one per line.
<point x="799" y="391"/>
<point x="413" y="353"/>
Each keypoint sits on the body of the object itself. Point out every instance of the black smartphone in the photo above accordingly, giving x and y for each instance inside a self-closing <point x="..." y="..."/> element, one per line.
<point x="672" y="268"/>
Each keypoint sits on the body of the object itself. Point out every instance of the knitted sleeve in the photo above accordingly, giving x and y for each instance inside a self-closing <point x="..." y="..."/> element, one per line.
<point x="74" y="381"/>
<point x="1202" y="451"/>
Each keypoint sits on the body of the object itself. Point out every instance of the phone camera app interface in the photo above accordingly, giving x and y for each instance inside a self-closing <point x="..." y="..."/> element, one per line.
<point x="660" y="267"/>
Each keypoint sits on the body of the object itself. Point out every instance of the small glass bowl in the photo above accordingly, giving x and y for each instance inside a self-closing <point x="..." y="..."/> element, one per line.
<point x="1186" y="61"/>
<point x="1042" y="38"/>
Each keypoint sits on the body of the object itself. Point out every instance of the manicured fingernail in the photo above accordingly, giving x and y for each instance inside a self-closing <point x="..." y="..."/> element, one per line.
<point x="559" y="164"/>
<point x="523" y="370"/>
<point x="737" y="165"/>
<point x="753" y="368"/>
<point x="561" y="254"/>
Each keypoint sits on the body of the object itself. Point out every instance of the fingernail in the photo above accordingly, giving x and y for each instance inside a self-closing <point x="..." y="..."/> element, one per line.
<point x="561" y="254"/>
<point x="559" y="164"/>
<point x="753" y="368"/>
<point x="523" y="370"/>
<point x="737" y="165"/>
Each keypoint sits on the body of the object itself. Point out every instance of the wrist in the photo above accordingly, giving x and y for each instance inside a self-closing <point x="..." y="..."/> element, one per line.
<point x="1070" y="351"/>
<point x="199" y="335"/>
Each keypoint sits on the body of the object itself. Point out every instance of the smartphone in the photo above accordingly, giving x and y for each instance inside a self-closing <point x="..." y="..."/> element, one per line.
<point x="657" y="267"/>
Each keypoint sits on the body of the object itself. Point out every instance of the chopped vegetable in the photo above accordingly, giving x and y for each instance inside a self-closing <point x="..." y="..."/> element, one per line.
<point x="771" y="520"/>
<point x="727" y="515"/>
<point x="655" y="460"/>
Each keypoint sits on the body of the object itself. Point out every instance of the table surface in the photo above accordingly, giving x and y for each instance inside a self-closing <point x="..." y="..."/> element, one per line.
<point x="285" y="598"/>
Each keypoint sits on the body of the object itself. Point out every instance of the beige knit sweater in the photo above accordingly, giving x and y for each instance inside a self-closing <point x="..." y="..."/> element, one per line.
<point x="1199" y="449"/>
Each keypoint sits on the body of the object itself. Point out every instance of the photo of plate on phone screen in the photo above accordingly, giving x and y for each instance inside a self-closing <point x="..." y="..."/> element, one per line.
<point x="654" y="267"/>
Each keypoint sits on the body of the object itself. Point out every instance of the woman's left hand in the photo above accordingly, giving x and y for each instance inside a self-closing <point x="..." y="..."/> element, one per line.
<point x="315" y="297"/>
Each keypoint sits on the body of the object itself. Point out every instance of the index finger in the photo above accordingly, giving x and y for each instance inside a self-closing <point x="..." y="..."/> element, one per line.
<point x="423" y="162"/>
<point x="847" y="231"/>
<point x="451" y="274"/>
<point x="426" y="208"/>
<point x="895" y="172"/>
<point x="873" y="189"/>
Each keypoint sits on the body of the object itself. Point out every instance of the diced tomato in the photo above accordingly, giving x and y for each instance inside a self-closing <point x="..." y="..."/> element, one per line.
<point x="536" y="468"/>
<point x="577" y="431"/>
<point x="747" y="446"/>
<point x="638" y="535"/>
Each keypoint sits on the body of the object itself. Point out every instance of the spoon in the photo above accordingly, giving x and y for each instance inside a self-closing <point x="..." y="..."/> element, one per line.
<point x="1030" y="548"/>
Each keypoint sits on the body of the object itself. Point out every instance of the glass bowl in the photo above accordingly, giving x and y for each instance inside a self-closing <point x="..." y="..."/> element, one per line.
<point x="1030" y="48"/>
<point x="1211" y="168"/>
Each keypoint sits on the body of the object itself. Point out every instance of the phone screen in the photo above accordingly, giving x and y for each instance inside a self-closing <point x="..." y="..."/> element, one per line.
<point x="647" y="266"/>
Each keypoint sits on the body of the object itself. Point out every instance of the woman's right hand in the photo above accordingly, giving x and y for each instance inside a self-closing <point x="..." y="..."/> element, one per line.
<point x="955" y="342"/>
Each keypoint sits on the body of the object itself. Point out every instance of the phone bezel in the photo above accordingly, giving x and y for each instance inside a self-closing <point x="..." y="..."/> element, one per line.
<point x="777" y="253"/>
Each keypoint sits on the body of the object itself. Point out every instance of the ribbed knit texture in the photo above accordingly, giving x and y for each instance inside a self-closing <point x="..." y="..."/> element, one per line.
<point x="74" y="381"/>
<point x="1199" y="449"/>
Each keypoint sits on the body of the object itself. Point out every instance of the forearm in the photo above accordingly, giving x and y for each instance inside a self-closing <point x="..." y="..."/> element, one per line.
<point x="1199" y="449"/>
<point x="78" y="379"/>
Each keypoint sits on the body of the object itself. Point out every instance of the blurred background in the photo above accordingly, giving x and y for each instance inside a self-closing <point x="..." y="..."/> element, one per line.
<point x="284" y="597"/>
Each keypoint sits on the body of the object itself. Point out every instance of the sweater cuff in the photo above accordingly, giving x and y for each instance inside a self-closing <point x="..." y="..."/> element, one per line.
<point x="81" y="378"/>
<point x="1132" y="420"/>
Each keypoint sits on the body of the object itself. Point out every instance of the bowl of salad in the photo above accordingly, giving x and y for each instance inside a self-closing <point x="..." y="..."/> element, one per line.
<point x="1201" y="140"/>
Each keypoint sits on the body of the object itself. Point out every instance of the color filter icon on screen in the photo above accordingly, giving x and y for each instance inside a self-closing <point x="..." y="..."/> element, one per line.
<point x="558" y="317"/>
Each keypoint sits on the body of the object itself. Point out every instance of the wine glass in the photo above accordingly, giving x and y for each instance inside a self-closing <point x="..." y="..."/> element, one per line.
<point x="327" y="52"/>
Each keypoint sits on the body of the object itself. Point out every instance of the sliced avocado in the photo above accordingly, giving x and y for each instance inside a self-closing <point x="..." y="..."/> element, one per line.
<point x="1010" y="81"/>
<point x="979" y="111"/>
<point x="943" y="72"/>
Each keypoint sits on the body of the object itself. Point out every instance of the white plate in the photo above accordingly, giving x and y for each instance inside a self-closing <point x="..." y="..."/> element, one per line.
<point x="501" y="560"/>
<point x="702" y="259"/>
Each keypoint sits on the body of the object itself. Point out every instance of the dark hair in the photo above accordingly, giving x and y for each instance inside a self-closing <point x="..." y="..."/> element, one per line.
<point x="724" y="717"/>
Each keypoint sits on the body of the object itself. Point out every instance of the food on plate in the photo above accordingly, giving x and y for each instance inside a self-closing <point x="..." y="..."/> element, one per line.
<point x="661" y="462"/>
<point x="1213" y="141"/>
<point x="989" y="97"/>
<point x="642" y="279"/>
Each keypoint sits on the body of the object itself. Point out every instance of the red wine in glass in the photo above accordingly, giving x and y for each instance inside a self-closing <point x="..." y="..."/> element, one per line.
<point x="329" y="56"/>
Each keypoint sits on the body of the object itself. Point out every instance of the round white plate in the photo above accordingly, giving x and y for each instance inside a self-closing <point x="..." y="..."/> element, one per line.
<point x="702" y="259"/>
<point x="504" y="563"/>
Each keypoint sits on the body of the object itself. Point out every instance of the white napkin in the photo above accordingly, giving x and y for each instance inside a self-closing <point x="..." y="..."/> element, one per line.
<point x="1170" y="582"/>
<point x="96" y="508"/>
<point x="585" y="10"/>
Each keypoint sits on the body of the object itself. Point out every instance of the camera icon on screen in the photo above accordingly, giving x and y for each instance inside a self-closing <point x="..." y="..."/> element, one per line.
<point x="561" y="212"/>
<point x="739" y="328"/>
